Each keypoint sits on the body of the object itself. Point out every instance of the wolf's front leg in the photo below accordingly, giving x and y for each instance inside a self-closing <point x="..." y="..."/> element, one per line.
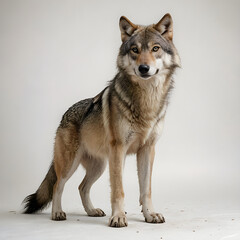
<point x="116" y="158"/>
<point x="145" y="158"/>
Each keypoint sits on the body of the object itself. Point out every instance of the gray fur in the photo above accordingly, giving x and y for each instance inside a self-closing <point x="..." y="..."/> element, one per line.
<point x="122" y="119"/>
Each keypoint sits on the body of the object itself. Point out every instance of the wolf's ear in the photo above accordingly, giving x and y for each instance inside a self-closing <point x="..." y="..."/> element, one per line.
<point x="127" y="28"/>
<point x="165" y="26"/>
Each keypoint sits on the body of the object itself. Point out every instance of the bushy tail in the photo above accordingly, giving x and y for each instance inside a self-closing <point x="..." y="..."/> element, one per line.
<point x="43" y="196"/>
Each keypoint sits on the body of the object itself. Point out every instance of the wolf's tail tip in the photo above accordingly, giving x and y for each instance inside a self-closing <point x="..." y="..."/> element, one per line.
<point x="31" y="204"/>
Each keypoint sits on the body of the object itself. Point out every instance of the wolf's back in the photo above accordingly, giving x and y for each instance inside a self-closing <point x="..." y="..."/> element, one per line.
<point x="77" y="113"/>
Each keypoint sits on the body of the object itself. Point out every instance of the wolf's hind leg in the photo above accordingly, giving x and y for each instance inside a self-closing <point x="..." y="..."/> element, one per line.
<point x="66" y="161"/>
<point x="57" y="212"/>
<point x="94" y="169"/>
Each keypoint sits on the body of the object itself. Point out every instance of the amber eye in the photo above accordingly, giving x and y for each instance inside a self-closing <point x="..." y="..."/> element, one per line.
<point x="155" y="49"/>
<point x="135" y="49"/>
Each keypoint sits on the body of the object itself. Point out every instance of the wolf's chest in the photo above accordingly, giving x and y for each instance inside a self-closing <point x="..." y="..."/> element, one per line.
<point x="139" y="134"/>
<point x="136" y="138"/>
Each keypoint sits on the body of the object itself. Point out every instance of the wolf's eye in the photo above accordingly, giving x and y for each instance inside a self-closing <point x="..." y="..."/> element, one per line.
<point x="135" y="50"/>
<point x="155" y="49"/>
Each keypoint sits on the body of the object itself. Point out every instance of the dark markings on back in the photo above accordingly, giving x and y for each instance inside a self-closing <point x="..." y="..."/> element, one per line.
<point x="77" y="113"/>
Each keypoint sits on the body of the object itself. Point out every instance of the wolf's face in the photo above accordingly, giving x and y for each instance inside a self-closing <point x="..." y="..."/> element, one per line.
<point x="147" y="51"/>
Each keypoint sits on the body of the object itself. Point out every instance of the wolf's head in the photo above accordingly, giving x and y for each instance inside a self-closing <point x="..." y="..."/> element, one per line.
<point x="147" y="51"/>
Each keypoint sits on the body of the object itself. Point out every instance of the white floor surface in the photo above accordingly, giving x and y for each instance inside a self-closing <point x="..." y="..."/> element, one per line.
<point x="193" y="222"/>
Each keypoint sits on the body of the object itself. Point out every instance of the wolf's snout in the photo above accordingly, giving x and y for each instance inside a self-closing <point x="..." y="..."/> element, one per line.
<point x="143" y="69"/>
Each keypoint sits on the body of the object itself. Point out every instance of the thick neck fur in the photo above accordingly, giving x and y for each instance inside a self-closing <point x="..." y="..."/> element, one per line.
<point x="142" y="101"/>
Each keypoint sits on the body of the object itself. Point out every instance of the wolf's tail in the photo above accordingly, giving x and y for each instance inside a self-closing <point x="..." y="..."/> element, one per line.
<point x="43" y="196"/>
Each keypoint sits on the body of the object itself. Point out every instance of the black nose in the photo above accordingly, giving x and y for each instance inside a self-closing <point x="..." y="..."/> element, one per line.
<point x="143" y="69"/>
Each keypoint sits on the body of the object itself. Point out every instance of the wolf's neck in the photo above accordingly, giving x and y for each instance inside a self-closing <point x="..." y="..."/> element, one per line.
<point x="154" y="93"/>
<point x="146" y="98"/>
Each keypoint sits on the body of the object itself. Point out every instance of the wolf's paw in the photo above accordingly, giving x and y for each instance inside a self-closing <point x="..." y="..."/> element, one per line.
<point x="96" y="212"/>
<point x="59" y="216"/>
<point x="118" y="221"/>
<point x="154" y="218"/>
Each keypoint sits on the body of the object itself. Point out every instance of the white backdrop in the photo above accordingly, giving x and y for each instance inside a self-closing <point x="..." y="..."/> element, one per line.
<point x="54" y="53"/>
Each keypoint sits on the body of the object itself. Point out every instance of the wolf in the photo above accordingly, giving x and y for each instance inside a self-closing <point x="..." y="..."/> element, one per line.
<point x="125" y="118"/>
